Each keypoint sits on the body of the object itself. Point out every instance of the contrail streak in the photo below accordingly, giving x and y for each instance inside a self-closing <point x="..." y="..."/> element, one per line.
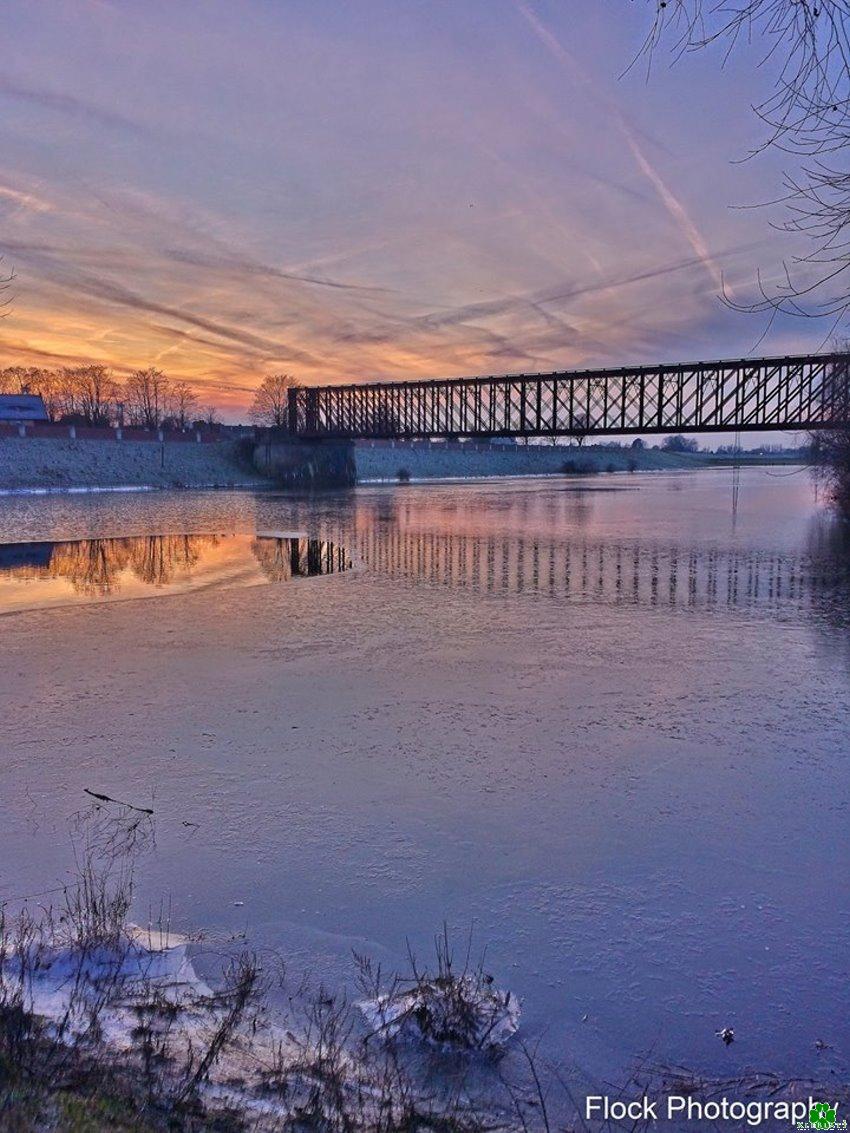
<point x="674" y="207"/>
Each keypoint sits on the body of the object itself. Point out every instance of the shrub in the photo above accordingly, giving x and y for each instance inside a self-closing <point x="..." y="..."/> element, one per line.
<point x="454" y="1009"/>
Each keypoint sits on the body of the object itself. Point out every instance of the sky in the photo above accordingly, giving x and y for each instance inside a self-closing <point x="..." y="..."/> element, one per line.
<point x="380" y="189"/>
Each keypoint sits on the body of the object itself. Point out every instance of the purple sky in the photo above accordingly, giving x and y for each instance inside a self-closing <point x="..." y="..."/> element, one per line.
<point x="375" y="189"/>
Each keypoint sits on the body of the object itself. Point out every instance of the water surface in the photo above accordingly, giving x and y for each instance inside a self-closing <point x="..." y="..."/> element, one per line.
<point x="604" y="721"/>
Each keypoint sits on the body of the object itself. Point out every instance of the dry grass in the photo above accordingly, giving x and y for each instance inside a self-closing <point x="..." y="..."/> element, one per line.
<point x="121" y="1047"/>
<point x="453" y="1007"/>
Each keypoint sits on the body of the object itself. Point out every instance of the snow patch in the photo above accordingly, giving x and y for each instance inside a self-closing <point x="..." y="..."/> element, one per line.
<point x="461" y="1012"/>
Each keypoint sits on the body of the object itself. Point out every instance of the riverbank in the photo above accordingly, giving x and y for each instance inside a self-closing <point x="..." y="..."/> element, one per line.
<point x="56" y="464"/>
<point x="380" y="461"/>
<point x="66" y="464"/>
<point x="107" y="1026"/>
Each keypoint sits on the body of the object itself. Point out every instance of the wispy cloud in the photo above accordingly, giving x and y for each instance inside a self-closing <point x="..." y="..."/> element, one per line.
<point x="539" y="300"/>
<point x="248" y="268"/>
<point x="30" y="201"/>
<point x="122" y="296"/>
<point x="552" y="42"/>
<point x="674" y="206"/>
<point x="68" y="105"/>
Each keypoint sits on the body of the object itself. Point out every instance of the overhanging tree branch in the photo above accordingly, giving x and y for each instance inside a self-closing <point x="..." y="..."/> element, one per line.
<point x="6" y="297"/>
<point x="804" y="50"/>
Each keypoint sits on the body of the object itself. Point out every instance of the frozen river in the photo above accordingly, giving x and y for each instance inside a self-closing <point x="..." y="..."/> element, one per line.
<point x="604" y="722"/>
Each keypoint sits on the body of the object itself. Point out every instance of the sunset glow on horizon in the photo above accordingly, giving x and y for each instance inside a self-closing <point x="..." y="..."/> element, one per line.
<point x="381" y="190"/>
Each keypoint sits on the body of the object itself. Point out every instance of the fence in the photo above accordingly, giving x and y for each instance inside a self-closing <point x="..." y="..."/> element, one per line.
<point x="92" y="433"/>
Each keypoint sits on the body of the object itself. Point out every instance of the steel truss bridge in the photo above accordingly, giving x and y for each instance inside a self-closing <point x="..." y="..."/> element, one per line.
<point x="801" y="392"/>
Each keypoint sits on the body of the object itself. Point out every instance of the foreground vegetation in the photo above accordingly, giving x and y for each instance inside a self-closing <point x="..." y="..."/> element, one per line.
<point x="831" y="459"/>
<point x="104" y="1026"/>
<point x="107" y="1026"/>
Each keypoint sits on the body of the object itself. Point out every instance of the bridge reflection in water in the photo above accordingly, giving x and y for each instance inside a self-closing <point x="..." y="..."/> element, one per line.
<point x="42" y="572"/>
<point x="606" y="571"/>
<point x="282" y="558"/>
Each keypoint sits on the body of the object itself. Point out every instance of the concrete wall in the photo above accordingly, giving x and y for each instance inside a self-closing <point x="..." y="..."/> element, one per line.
<point x="302" y="464"/>
<point x="53" y="463"/>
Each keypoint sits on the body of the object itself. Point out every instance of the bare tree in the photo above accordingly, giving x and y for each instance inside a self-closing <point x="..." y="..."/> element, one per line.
<point x="89" y="394"/>
<point x="68" y="394"/>
<point x="6" y="297"/>
<point x="271" y="400"/>
<point x="84" y="394"/>
<point x="46" y="384"/>
<point x="579" y="426"/>
<point x="805" y="44"/>
<point x="183" y="404"/>
<point x="95" y="392"/>
<point x="678" y="443"/>
<point x="14" y="379"/>
<point x="146" y="396"/>
<point x="208" y="417"/>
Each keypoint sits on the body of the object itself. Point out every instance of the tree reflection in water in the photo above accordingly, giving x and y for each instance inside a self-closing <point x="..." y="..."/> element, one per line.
<point x="97" y="567"/>
<point x="156" y="559"/>
<point x="94" y="567"/>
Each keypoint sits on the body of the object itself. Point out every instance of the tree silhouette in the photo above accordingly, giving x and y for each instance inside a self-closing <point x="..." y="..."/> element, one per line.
<point x="271" y="401"/>
<point x="6" y="297"/>
<point x="182" y="404"/>
<point x="146" y="394"/>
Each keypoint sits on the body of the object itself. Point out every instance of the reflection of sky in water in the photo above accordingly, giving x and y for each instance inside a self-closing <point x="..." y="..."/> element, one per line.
<point x="42" y="573"/>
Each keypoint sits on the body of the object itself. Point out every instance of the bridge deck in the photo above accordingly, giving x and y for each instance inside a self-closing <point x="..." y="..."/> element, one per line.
<point x="799" y="392"/>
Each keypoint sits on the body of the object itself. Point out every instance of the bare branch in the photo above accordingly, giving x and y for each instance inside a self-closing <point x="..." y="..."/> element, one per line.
<point x="271" y="401"/>
<point x="805" y="54"/>
<point x="6" y="296"/>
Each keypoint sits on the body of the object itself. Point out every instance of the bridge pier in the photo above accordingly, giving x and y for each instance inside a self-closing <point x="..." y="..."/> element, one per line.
<point x="295" y="463"/>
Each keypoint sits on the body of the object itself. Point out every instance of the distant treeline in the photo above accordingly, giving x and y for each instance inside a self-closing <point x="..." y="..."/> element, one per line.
<point x="679" y="443"/>
<point x="90" y="395"/>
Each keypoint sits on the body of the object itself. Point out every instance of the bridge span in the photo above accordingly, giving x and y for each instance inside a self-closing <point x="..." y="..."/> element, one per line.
<point x="799" y="392"/>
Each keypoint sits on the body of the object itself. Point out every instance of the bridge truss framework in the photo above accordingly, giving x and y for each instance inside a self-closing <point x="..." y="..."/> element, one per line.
<point x="799" y="393"/>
